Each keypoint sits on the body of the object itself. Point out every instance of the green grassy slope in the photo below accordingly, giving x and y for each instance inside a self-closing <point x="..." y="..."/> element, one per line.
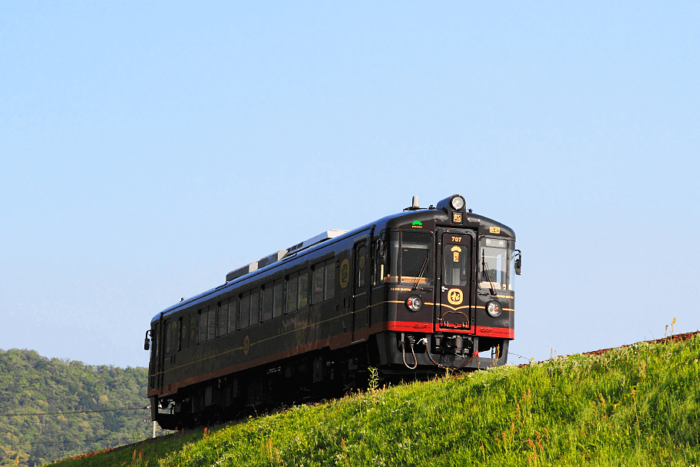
<point x="638" y="405"/>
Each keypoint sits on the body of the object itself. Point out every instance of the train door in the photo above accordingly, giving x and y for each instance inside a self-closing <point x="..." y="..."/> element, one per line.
<point x="454" y="313"/>
<point x="360" y="290"/>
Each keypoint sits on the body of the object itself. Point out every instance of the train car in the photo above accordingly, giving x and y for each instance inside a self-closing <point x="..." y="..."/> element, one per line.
<point x="408" y="294"/>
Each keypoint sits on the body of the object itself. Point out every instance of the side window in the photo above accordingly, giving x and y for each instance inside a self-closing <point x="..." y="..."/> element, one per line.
<point x="244" y="309"/>
<point x="303" y="290"/>
<point x="202" y="326"/>
<point x="156" y="341"/>
<point x="232" y="313"/>
<point x="267" y="296"/>
<point x="292" y="292"/>
<point x="254" y="307"/>
<point x="278" y="307"/>
<point x="182" y="335"/>
<point x="193" y="329"/>
<point x="223" y="319"/>
<point x="317" y="294"/>
<point x="329" y="284"/>
<point x="361" y="266"/>
<point x="211" y="330"/>
<point x="168" y="337"/>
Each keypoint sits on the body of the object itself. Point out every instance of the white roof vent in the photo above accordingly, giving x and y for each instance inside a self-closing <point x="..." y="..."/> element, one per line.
<point x="273" y="258"/>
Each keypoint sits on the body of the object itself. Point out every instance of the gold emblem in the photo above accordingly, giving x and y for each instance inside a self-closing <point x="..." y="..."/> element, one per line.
<point x="495" y="230"/>
<point x="456" y="218"/>
<point x="454" y="296"/>
<point x="344" y="273"/>
<point x="246" y="345"/>
<point x="455" y="253"/>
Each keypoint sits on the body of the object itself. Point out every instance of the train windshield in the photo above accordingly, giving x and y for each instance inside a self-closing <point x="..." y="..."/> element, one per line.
<point x="496" y="264"/>
<point x="410" y="257"/>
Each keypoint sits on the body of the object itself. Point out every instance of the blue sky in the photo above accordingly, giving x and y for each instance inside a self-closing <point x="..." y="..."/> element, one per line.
<point x="148" y="149"/>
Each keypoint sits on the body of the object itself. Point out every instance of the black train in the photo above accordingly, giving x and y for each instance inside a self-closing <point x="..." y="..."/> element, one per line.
<point x="408" y="294"/>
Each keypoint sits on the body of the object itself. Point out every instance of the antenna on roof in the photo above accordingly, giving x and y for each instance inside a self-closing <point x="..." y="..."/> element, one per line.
<point x="414" y="205"/>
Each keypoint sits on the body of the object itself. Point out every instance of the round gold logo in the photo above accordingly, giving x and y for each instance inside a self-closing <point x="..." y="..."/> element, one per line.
<point x="454" y="296"/>
<point x="344" y="273"/>
<point x="246" y="345"/>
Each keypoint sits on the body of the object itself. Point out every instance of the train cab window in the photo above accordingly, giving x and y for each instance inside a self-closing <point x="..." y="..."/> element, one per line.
<point x="267" y="297"/>
<point x="497" y="256"/>
<point x="223" y="319"/>
<point x="244" y="311"/>
<point x="168" y="337"/>
<point x="416" y="257"/>
<point x="457" y="261"/>
<point x="193" y="330"/>
<point x="317" y="295"/>
<point x="292" y="293"/>
<point x="303" y="290"/>
<point x="254" y="307"/>
<point x="278" y="299"/>
<point x="202" y="338"/>
<point x="232" y="313"/>
<point x="329" y="283"/>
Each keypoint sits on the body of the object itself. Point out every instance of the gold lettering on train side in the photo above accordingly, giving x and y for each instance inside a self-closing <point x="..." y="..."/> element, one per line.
<point x="457" y="239"/>
<point x="344" y="273"/>
<point x="455" y="296"/>
<point x="246" y="345"/>
<point x="494" y="230"/>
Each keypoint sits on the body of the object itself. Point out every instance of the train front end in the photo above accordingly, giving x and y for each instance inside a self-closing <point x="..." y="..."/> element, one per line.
<point x="447" y="282"/>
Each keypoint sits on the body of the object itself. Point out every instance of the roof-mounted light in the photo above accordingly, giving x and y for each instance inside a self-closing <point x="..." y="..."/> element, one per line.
<point x="457" y="203"/>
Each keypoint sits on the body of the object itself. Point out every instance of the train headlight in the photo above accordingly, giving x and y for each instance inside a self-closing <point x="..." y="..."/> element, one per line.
<point x="457" y="203"/>
<point x="414" y="303"/>
<point x="494" y="309"/>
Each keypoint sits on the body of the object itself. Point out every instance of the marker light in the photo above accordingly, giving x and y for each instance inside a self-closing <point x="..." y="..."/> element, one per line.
<point x="414" y="303"/>
<point x="494" y="309"/>
<point x="457" y="203"/>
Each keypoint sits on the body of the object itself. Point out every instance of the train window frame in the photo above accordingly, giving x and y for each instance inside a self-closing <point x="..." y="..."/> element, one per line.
<point x="317" y="283"/>
<point x="255" y="299"/>
<point x="329" y="279"/>
<point x="292" y="298"/>
<point x="182" y="333"/>
<point x="361" y="267"/>
<point x="168" y="336"/>
<point x="278" y="298"/>
<point x="304" y="287"/>
<point x="202" y="325"/>
<point x="266" y="305"/>
<point x="232" y="314"/>
<point x="194" y="321"/>
<point x="427" y="277"/>
<point x="244" y="310"/>
<point x="507" y="263"/>
<point x="222" y="318"/>
<point x="211" y="322"/>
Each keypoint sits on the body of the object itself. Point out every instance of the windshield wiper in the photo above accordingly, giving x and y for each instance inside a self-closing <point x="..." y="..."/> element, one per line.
<point x="420" y="274"/>
<point x="485" y="272"/>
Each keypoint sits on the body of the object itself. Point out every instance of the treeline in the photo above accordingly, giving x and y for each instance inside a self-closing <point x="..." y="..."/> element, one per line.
<point x="32" y="385"/>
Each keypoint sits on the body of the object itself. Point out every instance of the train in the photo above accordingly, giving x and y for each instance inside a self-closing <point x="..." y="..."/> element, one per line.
<point x="404" y="297"/>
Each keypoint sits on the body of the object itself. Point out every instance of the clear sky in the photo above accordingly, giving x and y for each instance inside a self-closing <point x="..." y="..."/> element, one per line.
<point x="148" y="148"/>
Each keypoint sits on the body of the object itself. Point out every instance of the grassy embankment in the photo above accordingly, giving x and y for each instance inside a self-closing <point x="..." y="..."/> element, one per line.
<point x="638" y="405"/>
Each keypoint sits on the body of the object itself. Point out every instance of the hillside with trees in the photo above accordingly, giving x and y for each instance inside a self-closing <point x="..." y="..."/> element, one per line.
<point x="53" y="408"/>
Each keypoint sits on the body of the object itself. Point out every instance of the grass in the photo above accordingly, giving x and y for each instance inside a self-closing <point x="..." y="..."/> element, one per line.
<point x="637" y="405"/>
